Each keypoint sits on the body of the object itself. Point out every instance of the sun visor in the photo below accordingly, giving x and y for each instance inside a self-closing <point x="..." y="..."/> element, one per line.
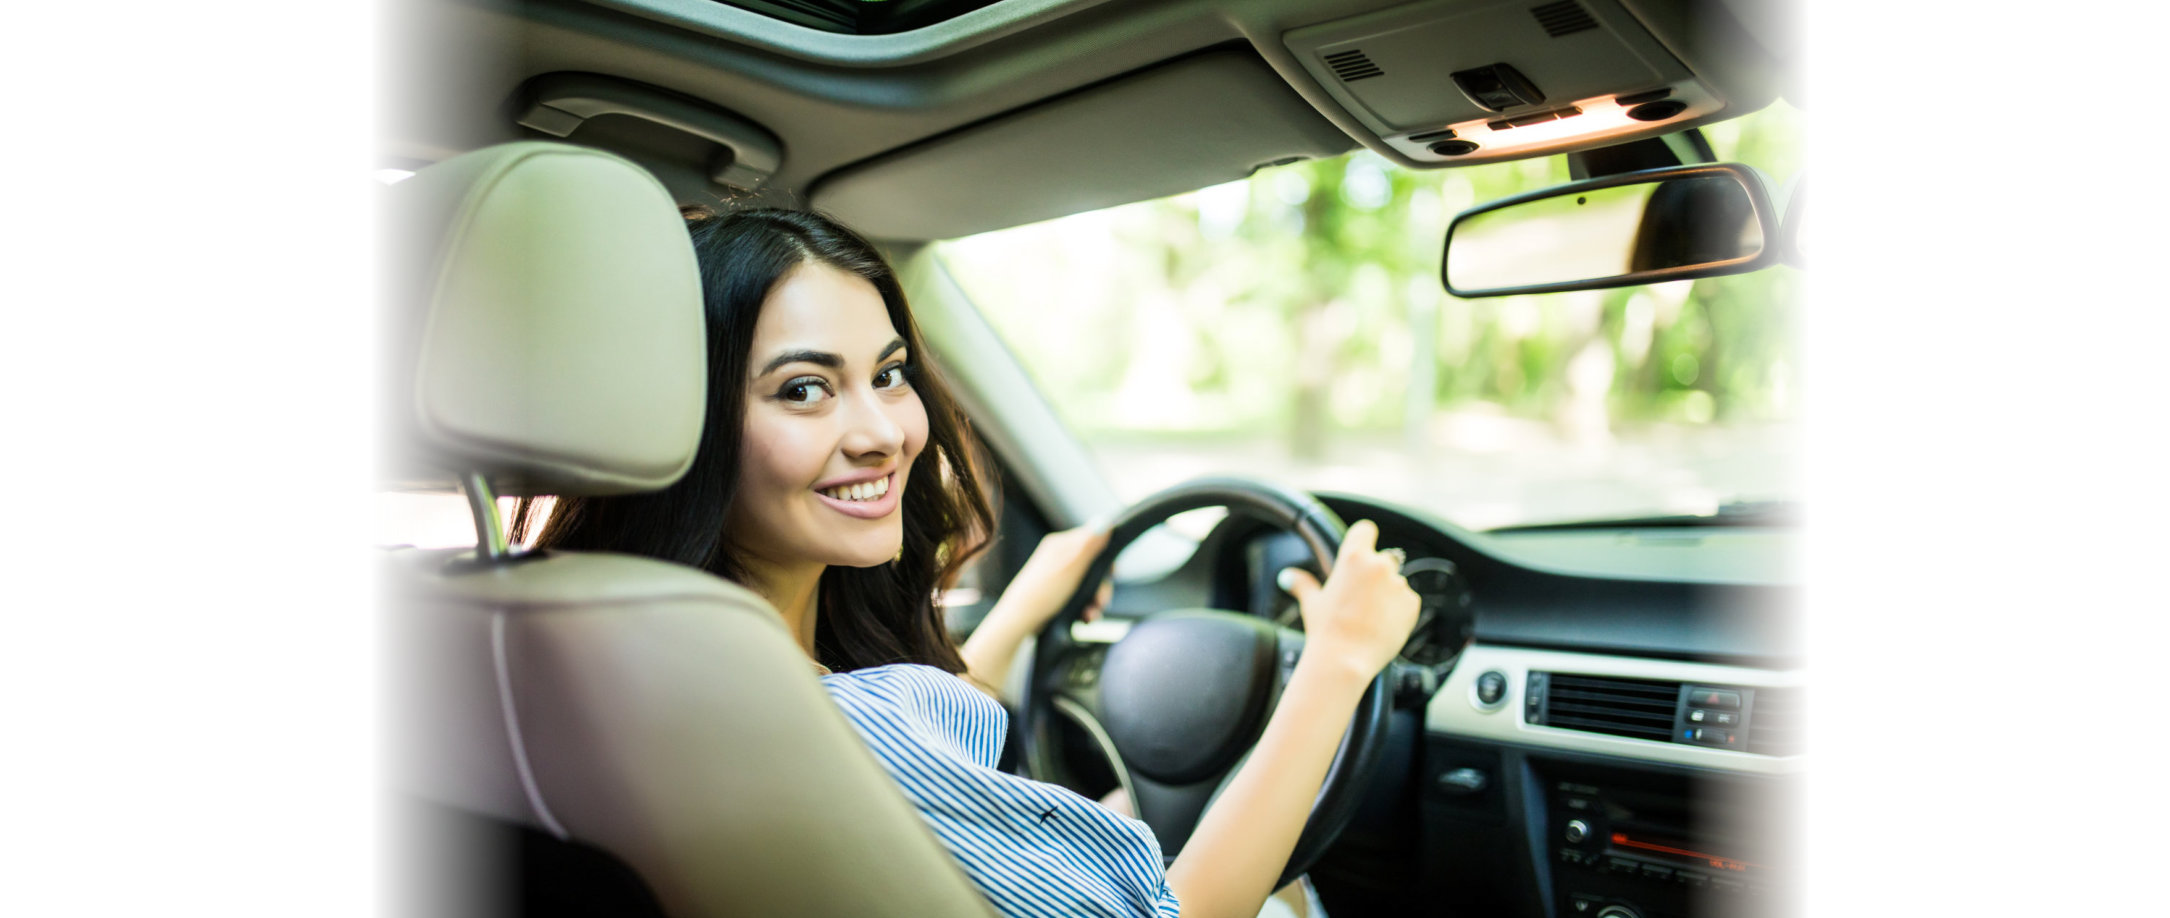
<point x="1199" y="121"/>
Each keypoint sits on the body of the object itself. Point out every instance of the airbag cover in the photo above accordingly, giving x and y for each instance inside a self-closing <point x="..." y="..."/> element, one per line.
<point x="1184" y="694"/>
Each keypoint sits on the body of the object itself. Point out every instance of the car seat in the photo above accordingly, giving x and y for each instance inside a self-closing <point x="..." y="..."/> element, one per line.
<point x="583" y="732"/>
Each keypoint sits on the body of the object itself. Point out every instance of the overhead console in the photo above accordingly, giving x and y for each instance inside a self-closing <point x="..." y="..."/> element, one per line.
<point x="1459" y="82"/>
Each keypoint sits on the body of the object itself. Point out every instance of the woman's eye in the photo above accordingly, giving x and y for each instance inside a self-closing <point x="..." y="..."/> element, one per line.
<point x="891" y="377"/>
<point x="806" y="390"/>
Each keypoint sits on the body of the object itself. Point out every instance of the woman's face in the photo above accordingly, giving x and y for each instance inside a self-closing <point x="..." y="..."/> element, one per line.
<point x="832" y="426"/>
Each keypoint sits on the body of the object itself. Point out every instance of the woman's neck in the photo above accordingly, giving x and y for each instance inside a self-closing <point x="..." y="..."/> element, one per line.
<point x="795" y="591"/>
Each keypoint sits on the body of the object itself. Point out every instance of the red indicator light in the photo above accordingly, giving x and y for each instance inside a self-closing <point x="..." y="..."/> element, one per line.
<point x="1722" y="863"/>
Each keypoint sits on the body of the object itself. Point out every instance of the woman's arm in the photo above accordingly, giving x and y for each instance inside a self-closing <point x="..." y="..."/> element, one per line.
<point x="1354" y="625"/>
<point x="1033" y="597"/>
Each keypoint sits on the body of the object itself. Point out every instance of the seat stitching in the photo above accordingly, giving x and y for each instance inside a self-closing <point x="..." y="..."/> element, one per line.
<point x="512" y="728"/>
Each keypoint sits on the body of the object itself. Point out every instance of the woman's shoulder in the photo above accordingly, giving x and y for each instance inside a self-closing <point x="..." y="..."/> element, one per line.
<point x="915" y="683"/>
<point x="891" y="672"/>
<point x="927" y="701"/>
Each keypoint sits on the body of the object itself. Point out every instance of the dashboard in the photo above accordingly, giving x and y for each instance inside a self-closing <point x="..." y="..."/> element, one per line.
<point x="1590" y="722"/>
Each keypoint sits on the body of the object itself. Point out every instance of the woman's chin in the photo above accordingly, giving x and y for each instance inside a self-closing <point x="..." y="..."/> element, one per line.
<point x="868" y="555"/>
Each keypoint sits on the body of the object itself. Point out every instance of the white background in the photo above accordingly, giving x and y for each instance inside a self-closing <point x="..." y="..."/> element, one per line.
<point x="186" y="664"/>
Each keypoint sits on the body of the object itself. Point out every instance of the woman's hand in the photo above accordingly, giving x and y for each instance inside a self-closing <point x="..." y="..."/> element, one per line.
<point x="1361" y="618"/>
<point x="1353" y="626"/>
<point x="1051" y="575"/>
<point x="1034" y="595"/>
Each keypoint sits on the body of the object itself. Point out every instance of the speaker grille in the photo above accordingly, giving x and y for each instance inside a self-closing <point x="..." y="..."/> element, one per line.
<point x="1564" y="18"/>
<point x="1352" y="65"/>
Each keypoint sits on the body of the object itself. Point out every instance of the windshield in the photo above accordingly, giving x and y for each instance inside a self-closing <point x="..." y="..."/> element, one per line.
<point x="1293" y="326"/>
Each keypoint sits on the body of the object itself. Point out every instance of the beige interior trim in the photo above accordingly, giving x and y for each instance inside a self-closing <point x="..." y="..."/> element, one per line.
<point x="1456" y="711"/>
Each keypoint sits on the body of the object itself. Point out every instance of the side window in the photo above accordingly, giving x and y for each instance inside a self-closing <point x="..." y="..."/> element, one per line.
<point x="1018" y="528"/>
<point x="431" y="520"/>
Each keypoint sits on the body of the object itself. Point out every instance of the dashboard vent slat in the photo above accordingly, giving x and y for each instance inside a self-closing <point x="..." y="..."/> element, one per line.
<point x="1564" y="18"/>
<point x="1352" y="65"/>
<point x="1774" y="725"/>
<point x="1634" y="708"/>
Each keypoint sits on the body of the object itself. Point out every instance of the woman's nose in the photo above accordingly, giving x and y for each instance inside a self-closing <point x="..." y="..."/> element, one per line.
<point x="869" y="428"/>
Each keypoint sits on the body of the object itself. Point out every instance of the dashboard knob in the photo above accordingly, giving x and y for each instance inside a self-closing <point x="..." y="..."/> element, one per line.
<point x="1577" y="830"/>
<point x="1491" y="687"/>
<point x="1618" y="911"/>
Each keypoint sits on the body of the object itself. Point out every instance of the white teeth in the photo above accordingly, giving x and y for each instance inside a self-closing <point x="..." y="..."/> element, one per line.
<point x="868" y="490"/>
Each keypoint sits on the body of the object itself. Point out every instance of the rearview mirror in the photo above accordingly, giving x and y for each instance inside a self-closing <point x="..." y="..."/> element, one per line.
<point x="1641" y="227"/>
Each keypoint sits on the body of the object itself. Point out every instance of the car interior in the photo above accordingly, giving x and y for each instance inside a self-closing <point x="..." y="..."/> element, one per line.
<point x="1592" y="718"/>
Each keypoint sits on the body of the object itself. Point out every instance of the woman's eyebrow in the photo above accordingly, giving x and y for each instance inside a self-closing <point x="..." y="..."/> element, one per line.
<point x="823" y="358"/>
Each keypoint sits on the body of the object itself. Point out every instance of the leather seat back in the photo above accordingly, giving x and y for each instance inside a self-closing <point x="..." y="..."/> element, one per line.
<point x="548" y="335"/>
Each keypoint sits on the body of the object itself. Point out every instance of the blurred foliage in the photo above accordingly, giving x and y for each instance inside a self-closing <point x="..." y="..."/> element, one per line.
<point x="1306" y="299"/>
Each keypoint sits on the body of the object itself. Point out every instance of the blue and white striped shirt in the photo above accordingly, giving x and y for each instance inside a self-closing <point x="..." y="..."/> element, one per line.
<point x="1034" y="849"/>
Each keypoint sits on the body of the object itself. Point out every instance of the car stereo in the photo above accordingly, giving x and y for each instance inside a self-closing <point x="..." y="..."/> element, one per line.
<point x="1624" y="851"/>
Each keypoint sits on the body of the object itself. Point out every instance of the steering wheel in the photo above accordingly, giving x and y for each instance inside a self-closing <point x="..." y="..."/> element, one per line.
<point x="1182" y="698"/>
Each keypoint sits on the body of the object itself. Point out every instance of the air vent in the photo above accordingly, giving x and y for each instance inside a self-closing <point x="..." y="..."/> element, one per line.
<point x="1564" y="18"/>
<point x="1774" y="723"/>
<point x="1352" y="65"/>
<point x="1638" y="708"/>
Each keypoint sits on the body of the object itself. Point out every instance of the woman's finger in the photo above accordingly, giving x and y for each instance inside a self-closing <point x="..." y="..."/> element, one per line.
<point x="1297" y="582"/>
<point x="1362" y="537"/>
<point x="1099" y="604"/>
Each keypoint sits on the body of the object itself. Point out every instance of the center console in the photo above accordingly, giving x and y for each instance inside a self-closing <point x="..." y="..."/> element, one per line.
<point x="1613" y="787"/>
<point x="1633" y="845"/>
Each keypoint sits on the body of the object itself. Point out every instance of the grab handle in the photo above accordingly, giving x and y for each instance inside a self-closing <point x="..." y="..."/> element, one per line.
<point x="559" y="103"/>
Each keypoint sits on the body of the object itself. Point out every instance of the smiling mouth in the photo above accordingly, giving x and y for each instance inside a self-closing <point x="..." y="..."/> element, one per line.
<point x="863" y="492"/>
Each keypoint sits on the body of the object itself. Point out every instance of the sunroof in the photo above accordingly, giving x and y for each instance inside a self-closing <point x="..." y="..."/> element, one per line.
<point x="861" y="17"/>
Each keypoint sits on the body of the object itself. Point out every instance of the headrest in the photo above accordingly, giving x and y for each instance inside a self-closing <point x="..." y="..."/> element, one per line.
<point x="546" y="325"/>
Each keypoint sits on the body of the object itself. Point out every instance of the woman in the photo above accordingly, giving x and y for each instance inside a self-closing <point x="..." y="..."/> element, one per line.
<point x="837" y="479"/>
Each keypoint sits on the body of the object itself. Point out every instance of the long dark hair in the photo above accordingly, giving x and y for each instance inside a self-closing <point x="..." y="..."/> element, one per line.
<point x="868" y="616"/>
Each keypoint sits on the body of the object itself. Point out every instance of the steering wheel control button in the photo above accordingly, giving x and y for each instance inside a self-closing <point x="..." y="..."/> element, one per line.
<point x="1413" y="685"/>
<point x="1491" y="688"/>
<point x="1577" y="830"/>
<point x="1714" y="698"/>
